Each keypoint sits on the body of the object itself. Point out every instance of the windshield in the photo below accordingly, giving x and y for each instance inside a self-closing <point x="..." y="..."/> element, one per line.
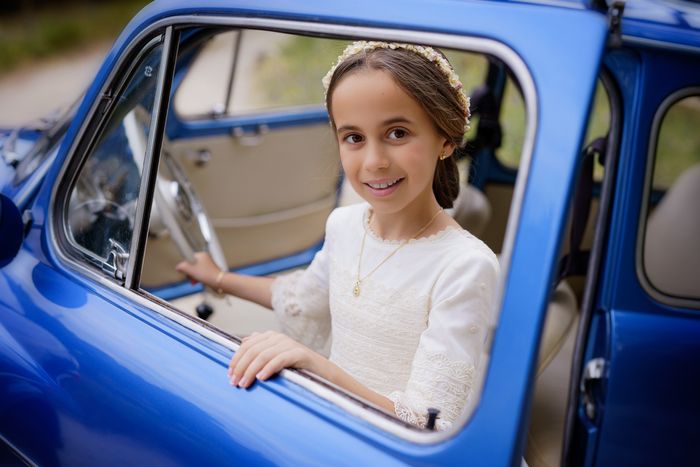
<point x="52" y="132"/>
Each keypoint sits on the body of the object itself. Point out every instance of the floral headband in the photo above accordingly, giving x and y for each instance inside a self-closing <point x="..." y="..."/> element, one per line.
<point x="426" y="52"/>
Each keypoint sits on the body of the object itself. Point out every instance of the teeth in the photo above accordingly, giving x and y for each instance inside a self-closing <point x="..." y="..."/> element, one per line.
<point x="378" y="186"/>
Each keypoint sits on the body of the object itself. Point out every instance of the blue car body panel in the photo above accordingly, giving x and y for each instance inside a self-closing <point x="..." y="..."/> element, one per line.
<point x="652" y="348"/>
<point x="91" y="375"/>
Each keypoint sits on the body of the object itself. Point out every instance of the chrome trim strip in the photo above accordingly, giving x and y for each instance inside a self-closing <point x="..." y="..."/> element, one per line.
<point x="143" y="206"/>
<point x="18" y="454"/>
<point x="473" y="44"/>
<point x="648" y="287"/>
<point x="37" y="179"/>
<point x="656" y="44"/>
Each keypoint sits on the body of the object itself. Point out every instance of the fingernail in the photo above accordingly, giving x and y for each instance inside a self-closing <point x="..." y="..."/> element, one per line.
<point x="234" y="380"/>
<point x="229" y="372"/>
<point x="243" y="383"/>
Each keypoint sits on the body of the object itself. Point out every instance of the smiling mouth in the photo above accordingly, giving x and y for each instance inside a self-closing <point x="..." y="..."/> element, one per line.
<point x="383" y="185"/>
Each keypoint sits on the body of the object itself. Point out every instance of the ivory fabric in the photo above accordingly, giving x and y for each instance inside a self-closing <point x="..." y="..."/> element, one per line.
<point x="417" y="331"/>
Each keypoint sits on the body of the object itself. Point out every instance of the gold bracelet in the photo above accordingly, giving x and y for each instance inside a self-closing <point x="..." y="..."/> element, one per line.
<point x="218" y="288"/>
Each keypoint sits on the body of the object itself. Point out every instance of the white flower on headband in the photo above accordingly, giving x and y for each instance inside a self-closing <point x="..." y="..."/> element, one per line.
<point x="426" y="52"/>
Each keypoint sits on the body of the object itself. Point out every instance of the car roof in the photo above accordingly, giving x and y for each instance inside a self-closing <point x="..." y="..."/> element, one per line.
<point x="657" y="23"/>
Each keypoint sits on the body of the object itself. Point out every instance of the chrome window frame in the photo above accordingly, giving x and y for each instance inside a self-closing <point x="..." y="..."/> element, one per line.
<point x="90" y="146"/>
<point x="341" y="398"/>
<point x="647" y="286"/>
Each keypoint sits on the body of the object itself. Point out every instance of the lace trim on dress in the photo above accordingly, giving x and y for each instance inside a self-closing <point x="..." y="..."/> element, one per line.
<point x="429" y="239"/>
<point x="436" y="381"/>
<point x="283" y="294"/>
<point x="301" y="307"/>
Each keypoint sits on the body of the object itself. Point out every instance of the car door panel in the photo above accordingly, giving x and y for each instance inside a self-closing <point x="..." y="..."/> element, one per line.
<point x="253" y="194"/>
<point x="109" y="367"/>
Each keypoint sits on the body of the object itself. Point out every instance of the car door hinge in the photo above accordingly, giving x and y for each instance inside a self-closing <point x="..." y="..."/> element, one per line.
<point x="615" y="12"/>
<point x="593" y="373"/>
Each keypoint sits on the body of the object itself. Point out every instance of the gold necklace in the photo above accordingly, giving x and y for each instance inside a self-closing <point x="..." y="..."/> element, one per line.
<point x="358" y="281"/>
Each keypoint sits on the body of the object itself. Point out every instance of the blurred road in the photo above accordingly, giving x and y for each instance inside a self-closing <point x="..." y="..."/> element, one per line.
<point x="35" y="90"/>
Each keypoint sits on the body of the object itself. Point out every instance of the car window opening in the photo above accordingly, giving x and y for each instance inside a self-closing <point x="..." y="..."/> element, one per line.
<point x="213" y="157"/>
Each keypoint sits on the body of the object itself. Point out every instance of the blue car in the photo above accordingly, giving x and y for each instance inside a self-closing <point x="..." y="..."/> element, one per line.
<point x="204" y="129"/>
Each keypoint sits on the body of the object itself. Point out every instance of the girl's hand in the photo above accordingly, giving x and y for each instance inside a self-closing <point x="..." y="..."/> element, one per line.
<point x="263" y="355"/>
<point x="202" y="269"/>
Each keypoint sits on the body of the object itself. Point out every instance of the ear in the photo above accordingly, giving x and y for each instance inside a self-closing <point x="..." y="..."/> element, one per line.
<point x="447" y="147"/>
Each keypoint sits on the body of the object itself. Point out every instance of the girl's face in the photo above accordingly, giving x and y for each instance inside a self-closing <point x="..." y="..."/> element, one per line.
<point x="388" y="144"/>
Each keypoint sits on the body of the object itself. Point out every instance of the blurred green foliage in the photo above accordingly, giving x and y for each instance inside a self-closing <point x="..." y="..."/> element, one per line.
<point x="49" y="30"/>
<point x="283" y="77"/>
<point x="678" y="146"/>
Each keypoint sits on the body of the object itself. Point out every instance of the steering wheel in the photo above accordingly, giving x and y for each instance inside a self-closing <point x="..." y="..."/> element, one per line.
<point x="176" y="203"/>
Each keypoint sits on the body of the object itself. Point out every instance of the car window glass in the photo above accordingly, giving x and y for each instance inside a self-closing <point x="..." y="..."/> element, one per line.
<point x="283" y="71"/>
<point x="471" y="69"/>
<point x="270" y="71"/>
<point x="205" y="86"/>
<point x="678" y="145"/>
<point x="103" y="200"/>
<point x="598" y="124"/>
<point x="671" y="249"/>
<point x="513" y="125"/>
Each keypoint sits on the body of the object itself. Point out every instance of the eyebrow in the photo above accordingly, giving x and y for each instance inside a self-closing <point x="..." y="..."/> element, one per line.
<point x="387" y="122"/>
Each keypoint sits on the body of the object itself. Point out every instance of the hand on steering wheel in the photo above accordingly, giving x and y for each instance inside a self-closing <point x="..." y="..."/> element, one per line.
<point x="201" y="269"/>
<point x="179" y="208"/>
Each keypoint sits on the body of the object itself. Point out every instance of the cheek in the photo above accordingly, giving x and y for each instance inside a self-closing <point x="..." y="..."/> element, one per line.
<point x="345" y="160"/>
<point x="420" y="160"/>
<point x="350" y="163"/>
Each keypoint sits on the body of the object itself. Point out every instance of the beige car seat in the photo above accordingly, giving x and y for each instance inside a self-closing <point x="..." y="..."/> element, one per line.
<point x="672" y="245"/>
<point x="548" y="414"/>
<point x="472" y="211"/>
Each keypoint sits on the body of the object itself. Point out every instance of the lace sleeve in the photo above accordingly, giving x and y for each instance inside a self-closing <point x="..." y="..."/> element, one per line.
<point x="446" y="363"/>
<point x="300" y="301"/>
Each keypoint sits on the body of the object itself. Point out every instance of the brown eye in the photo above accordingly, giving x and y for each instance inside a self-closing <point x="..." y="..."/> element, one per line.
<point x="353" y="138"/>
<point x="397" y="133"/>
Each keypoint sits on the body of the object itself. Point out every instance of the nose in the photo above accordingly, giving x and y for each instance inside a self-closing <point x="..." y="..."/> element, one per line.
<point x="375" y="158"/>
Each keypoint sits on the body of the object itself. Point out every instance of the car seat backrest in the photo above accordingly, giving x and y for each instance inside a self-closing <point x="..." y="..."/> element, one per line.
<point x="471" y="209"/>
<point x="672" y="241"/>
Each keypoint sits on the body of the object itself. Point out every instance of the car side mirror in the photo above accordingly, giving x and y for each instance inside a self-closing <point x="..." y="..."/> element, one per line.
<point x="11" y="230"/>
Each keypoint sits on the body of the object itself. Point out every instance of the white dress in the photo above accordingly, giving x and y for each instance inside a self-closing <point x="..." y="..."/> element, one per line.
<point x="416" y="332"/>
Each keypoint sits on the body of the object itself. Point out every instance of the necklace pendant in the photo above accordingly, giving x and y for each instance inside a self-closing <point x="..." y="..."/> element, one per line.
<point x="356" y="289"/>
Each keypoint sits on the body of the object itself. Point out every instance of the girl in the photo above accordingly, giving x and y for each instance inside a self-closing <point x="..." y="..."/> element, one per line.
<point x="395" y="307"/>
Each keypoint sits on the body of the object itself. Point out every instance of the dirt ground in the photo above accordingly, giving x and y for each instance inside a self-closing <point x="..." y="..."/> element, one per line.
<point x="38" y="89"/>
